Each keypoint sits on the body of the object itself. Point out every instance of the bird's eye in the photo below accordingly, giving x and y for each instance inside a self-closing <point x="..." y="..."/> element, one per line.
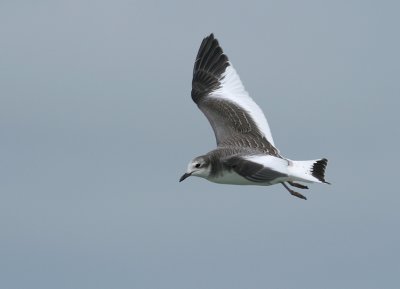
<point x="197" y="165"/>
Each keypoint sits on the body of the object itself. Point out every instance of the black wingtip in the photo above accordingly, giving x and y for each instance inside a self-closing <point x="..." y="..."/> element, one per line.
<point x="318" y="170"/>
<point x="210" y="64"/>
<point x="211" y="36"/>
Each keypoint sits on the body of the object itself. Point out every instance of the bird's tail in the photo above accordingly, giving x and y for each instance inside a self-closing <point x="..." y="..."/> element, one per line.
<point x="308" y="171"/>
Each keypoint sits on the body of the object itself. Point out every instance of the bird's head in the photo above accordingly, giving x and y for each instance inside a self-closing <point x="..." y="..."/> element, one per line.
<point x="199" y="167"/>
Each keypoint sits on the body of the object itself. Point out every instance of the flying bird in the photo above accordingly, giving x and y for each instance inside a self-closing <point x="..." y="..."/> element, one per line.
<point x="246" y="153"/>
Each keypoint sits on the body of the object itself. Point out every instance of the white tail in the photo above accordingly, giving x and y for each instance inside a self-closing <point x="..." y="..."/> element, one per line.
<point x="308" y="171"/>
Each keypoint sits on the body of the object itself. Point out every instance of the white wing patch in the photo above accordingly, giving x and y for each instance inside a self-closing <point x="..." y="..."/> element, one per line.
<point x="233" y="90"/>
<point x="271" y="162"/>
<point x="296" y="170"/>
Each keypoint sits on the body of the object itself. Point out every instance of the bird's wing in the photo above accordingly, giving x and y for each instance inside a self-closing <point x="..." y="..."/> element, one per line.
<point x="220" y="95"/>
<point x="258" y="168"/>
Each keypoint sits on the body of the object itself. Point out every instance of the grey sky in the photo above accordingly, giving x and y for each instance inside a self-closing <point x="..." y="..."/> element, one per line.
<point x="97" y="126"/>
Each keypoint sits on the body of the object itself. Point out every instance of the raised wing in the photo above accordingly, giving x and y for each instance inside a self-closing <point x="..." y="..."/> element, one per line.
<point x="217" y="90"/>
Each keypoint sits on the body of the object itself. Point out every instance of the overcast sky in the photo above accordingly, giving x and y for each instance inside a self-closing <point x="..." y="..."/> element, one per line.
<point x="97" y="125"/>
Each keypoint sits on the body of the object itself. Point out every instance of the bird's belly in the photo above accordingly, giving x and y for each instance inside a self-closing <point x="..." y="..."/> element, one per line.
<point x="233" y="178"/>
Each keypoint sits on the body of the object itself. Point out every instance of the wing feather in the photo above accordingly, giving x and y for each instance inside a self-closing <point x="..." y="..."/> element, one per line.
<point x="220" y="95"/>
<point x="255" y="171"/>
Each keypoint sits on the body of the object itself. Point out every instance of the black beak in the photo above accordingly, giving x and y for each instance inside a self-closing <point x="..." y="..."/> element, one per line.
<point x="185" y="175"/>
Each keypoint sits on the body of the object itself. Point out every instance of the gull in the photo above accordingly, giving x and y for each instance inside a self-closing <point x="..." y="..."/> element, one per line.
<point x="246" y="153"/>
